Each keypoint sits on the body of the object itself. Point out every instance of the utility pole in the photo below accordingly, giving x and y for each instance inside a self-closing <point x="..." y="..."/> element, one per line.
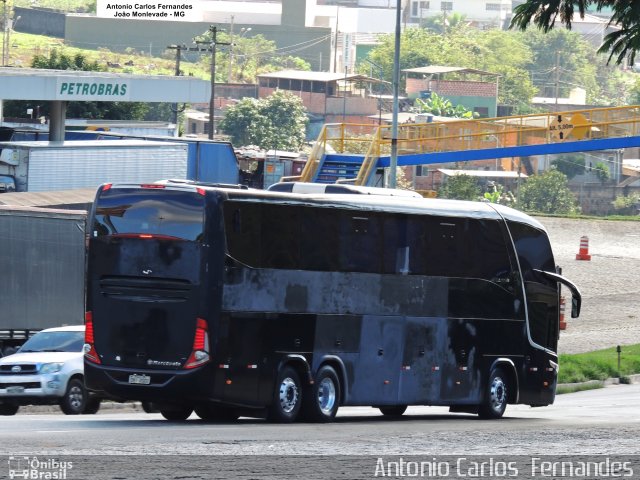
<point x="4" y="31"/>
<point x="212" y="47"/>
<point x="557" y="75"/>
<point x="394" y="119"/>
<point x="174" y="106"/>
<point x="230" y="74"/>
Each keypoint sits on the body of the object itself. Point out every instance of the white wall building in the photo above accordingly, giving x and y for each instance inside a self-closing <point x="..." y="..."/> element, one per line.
<point x="482" y="13"/>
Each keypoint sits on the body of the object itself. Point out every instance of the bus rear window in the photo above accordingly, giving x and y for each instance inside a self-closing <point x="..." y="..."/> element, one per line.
<point x="162" y="213"/>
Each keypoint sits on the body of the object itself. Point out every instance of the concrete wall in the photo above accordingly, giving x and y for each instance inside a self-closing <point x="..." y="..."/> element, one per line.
<point x="153" y="36"/>
<point x="596" y="199"/>
<point x="40" y="21"/>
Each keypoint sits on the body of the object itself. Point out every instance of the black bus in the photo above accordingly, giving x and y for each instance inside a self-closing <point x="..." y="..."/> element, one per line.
<point x="237" y="302"/>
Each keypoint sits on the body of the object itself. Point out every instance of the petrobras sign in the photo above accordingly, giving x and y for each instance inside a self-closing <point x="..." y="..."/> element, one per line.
<point x="107" y="90"/>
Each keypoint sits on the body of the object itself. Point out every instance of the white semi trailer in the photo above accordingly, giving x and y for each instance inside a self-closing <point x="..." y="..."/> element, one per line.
<point x="46" y="166"/>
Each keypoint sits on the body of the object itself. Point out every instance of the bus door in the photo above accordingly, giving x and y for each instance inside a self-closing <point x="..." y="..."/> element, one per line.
<point x="377" y="371"/>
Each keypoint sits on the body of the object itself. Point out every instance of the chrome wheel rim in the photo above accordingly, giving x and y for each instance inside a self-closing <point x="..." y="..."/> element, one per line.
<point x="498" y="394"/>
<point x="326" y="396"/>
<point x="288" y="395"/>
<point x="75" y="397"/>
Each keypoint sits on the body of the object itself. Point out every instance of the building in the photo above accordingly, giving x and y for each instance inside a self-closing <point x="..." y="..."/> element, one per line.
<point x="474" y="89"/>
<point x="330" y="97"/>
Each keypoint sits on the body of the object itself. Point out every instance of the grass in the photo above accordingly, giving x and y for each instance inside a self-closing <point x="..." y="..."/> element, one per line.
<point x="599" y="365"/>
<point x="562" y="389"/>
<point x="65" y="5"/>
<point x="24" y="46"/>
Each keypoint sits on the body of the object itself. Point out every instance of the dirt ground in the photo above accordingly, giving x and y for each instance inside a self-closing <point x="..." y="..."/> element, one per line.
<point x="609" y="282"/>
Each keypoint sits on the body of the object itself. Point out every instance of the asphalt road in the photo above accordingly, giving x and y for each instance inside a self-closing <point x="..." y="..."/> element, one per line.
<point x="125" y="444"/>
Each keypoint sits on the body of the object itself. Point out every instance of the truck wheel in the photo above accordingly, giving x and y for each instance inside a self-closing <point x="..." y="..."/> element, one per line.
<point x="393" y="411"/>
<point x="495" y="396"/>
<point x="8" y="409"/>
<point x="177" y="414"/>
<point x="216" y="413"/>
<point x="287" y="397"/>
<point x="321" y="400"/>
<point x="75" y="399"/>
<point x="93" y="405"/>
<point x="149" y="407"/>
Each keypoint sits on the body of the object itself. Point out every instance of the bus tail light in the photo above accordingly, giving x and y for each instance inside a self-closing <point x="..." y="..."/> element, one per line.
<point x="200" y="352"/>
<point x="89" y="348"/>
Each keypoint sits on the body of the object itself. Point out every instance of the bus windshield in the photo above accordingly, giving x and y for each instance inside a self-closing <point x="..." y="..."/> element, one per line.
<point x="161" y="213"/>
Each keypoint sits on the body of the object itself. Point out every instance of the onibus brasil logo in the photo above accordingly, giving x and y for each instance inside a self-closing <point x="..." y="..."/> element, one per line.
<point x="38" y="469"/>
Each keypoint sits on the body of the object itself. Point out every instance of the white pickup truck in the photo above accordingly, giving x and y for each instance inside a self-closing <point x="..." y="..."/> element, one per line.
<point x="47" y="369"/>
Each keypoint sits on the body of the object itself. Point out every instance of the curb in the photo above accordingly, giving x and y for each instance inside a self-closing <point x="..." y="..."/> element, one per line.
<point x="602" y="383"/>
<point x="105" y="406"/>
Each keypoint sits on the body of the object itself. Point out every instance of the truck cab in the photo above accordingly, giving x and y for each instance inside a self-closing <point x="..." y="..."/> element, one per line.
<point x="7" y="183"/>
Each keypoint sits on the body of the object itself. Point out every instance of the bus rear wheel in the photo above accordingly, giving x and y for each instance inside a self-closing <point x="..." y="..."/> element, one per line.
<point x="176" y="414"/>
<point x="495" y="397"/>
<point x="216" y="413"/>
<point x="321" y="400"/>
<point x="7" y="409"/>
<point x="287" y="397"/>
<point x="393" y="411"/>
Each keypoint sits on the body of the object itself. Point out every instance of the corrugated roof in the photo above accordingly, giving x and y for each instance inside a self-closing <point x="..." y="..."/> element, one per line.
<point x="437" y="69"/>
<point x="482" y="173"/>
<point x="60" y="198"/>
<point x="316" y="76"/>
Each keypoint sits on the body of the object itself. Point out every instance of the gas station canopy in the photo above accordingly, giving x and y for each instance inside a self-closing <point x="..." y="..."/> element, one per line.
<point x="73" y="85"/>
<point x="61" y="86"/>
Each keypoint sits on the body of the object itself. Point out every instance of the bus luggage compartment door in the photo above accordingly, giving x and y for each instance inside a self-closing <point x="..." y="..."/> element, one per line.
<point x="377" y="370"/>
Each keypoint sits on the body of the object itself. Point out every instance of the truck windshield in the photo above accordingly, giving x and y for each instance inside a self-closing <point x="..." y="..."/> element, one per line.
<point x="161" y="213"/>
<point x="7" y="183"/>
<point x="54" y="342"/>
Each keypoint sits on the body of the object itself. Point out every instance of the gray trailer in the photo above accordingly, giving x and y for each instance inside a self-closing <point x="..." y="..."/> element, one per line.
<point x="42" y="261"/>
<point x="46" y="166"/>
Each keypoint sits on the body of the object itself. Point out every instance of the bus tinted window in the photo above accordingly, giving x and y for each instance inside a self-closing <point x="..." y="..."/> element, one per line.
<point x="170" y="213"/>
<point x="263" y="235"/>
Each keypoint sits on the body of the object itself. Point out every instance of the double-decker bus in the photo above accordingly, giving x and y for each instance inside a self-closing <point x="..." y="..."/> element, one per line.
<point x="231" y="301"/>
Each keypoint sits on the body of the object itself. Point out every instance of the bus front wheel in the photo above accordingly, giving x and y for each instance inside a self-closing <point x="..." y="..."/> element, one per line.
<point x="176" y="414"/>
<point x="495" y="396"/>
<point x="287" y="397"/>
<point x="321" y="400"/>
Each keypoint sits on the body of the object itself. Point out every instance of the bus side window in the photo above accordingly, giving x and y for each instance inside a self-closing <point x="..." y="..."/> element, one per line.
<point x="319" y="240"/>
<point x="396" y="251"/>
<point x="361" y="243"/>
<point x="280" y="236"/>
<point x="242" y="228"/>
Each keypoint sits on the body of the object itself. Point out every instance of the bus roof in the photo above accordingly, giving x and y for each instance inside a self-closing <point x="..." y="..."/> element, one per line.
<point x="367" y="202"/>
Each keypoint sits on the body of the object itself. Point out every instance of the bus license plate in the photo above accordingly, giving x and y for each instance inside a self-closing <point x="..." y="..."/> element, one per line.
<point x="140" y="379"/>
<point x="15" y="389"/>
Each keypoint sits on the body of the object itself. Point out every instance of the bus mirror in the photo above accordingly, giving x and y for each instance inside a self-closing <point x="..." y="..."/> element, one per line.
<point x="575" y="306"/>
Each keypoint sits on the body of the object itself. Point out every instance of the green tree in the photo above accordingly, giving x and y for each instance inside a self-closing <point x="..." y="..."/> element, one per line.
<point x="621" y="43"/>
<point x="249" y="56"/>
<point x="503" y="53"/>
<point x="571" y="164"/>
<point x="460" y="187"/>
<point x="547" y="193"/>
<point x="602" y="172"/>
<point x="276" y="122"/>
<point x="442" y="107"/>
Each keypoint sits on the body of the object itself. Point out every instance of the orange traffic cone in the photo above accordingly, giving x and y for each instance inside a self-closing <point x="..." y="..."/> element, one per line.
<point x="563" y="324"/>
<point x="583" y="253"/>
